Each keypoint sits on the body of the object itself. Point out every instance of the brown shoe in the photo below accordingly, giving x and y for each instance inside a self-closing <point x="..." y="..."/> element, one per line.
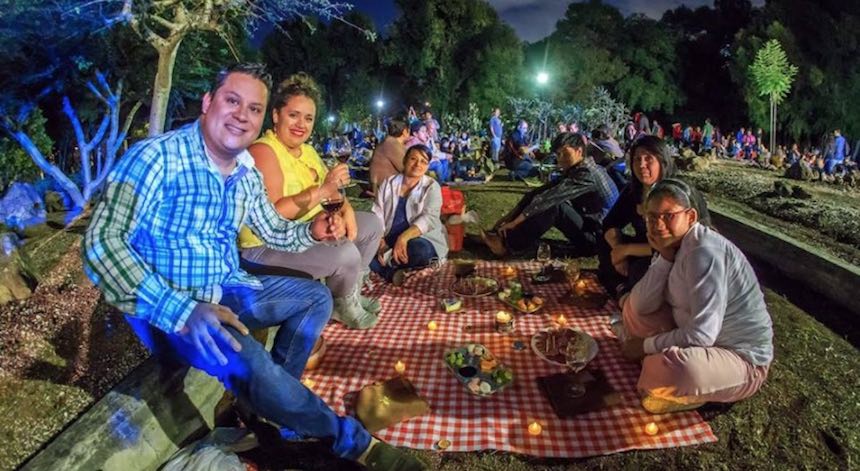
<point x="494" y="243"/>
<point x="316" y="354"/>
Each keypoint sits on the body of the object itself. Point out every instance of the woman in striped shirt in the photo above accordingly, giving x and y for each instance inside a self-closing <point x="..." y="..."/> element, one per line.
<point x="697" y="319"/>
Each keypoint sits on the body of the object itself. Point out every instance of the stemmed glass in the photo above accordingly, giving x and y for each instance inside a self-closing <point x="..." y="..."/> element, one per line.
<point x="543" y="257"/>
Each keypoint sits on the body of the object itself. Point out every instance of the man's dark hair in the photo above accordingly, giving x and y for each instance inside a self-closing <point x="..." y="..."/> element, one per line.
<point x="572" y="139"/>
<point x="396" y="127"/>
<point x="258" y="71"/>
<point x="415" y="127"/>
<point x="299" y="84"/>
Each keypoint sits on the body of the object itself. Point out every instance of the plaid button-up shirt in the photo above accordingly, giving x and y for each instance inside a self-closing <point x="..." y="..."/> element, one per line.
<point x="163" y="236"/>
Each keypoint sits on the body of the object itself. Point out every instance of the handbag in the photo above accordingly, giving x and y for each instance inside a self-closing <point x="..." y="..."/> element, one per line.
<point x="381" y="405"/>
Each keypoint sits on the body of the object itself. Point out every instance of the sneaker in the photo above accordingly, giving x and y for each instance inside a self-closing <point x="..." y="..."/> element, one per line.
<point x="370" y="305"/>
<point x="399" y="277"/>
<point x="384" y="457"/>
<point x="348" y="311"/>
<point x="656" y="405"/>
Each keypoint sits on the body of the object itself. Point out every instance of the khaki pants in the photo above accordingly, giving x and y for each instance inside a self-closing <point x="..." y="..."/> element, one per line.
<point x="690" y="374"/>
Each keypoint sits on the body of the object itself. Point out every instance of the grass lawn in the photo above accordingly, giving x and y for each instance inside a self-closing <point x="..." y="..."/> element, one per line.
<point x="805" y="417"/>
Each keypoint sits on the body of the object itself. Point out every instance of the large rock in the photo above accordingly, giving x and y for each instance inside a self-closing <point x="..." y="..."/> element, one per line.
<point x="22" y="207"/>
<point x="15" y="282"/>
<point x="56" y="201"/>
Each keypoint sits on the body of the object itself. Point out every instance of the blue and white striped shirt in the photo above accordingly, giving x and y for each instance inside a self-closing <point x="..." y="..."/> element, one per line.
<point x="163" y="236"/>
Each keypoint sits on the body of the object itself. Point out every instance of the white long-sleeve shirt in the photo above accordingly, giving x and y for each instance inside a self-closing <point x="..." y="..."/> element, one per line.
<point x="714" y="295"/>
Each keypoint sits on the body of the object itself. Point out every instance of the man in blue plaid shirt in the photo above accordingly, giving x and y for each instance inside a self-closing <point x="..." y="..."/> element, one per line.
<point x="161" y="245"/>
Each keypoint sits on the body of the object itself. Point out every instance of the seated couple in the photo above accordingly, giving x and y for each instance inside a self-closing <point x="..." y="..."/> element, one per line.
<point x="575" y="204"/>
<point x="161" y="245"/>
<point x="697" y="319"/>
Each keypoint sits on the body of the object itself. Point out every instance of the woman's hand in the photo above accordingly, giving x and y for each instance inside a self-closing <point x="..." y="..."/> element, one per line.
<point x="336" y="178"/>
<point x="666" y="247"/>
<point x="401" y="255"/>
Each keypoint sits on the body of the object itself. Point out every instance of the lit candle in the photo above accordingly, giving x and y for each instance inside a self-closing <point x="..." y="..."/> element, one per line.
<point x="400" y="367"/>
<point x="561" y="320"/>
<point x="309" y="383"/>
<point x="535" y="428"/>
<point x="432" y="325"/>
<point x="580" y="287"/>
<point x="509" y="271"/>
<point x="651" y="429"/>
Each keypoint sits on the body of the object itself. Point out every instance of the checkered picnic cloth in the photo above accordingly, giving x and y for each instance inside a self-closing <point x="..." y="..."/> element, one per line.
<point x="500" y="422"/>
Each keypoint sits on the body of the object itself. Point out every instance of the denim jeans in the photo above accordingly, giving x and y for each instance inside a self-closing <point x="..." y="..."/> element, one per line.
<point x="495" y="148"/>
<point x="269" y="382"/>
<point x="441" y="169"/>
<point x="419" y="251"/>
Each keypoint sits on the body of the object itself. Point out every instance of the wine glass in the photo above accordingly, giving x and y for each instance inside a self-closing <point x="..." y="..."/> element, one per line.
<point x="543" y="256"/>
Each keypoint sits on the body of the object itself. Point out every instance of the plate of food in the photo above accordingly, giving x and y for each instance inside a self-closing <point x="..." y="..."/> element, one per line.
<point x="474" y="286"/>
<point x="478" y="370"/>
<point x="515" y="297"/>
<point x="565" y="346"/>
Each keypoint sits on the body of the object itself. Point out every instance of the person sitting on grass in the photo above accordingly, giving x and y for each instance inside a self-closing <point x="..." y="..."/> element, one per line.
<point x="297" y="183"/>
<point x="575" y="204"/>
<point x="697" y="320"/>
<point x="408" y="205"/>
<point x="161" y="246"/>
<point x="624" y="258"/>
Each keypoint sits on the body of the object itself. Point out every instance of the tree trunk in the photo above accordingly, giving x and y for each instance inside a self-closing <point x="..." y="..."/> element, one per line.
<point x="65" y="182"/>
<point x="772" y="125"/>
<point x="161" y="87"/>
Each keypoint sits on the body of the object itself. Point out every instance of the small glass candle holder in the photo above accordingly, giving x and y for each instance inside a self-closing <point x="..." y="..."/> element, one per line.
<point x="504" y="322"/>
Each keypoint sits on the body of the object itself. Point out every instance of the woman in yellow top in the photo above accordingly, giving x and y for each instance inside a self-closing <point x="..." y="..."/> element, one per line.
<point x="297" y="181"/>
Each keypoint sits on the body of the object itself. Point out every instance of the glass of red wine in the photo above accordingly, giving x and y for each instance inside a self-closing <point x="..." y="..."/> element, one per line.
<point x="333" y="204"/>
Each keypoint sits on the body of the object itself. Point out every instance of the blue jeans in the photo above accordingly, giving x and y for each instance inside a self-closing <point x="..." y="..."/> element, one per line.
<point x="495" y="148"/>
<point x="830" y="165"/>
<point x="269" y="382"/>
<point x="419" y="251"/>
<point x="522" y="168"/>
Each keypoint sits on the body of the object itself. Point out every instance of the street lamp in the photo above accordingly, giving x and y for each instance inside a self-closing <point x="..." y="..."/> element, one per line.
<point x="330" y="118"/>
<point x="542" y="78"/>
<point x="379" y="104"/>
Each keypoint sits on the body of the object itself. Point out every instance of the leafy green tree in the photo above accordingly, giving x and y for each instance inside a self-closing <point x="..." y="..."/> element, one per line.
<point x="581" y="53"/>
<point x="17" y="164"/>
<point x="451" y="52"/>
<point x="649" y="52"/>
<point x="772" y="75"/>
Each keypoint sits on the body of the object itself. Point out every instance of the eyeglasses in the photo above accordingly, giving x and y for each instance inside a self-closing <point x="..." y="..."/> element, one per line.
<point x="666" y="218"/>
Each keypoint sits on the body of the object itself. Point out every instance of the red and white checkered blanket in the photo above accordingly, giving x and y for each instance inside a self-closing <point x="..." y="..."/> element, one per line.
<point x="500" y="422"/>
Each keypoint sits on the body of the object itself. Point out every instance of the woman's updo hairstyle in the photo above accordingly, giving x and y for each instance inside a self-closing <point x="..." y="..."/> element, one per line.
<point x="299" y="84"/>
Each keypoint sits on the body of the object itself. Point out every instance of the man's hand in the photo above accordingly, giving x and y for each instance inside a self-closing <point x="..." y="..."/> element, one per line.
<point x="619" y="254"/>
<point x="205" y="319"/>
<point x="351" y="226"/>
<point x="504" y="228"/>
<point x="633" y="349"/>
<point x="327" y="227"/>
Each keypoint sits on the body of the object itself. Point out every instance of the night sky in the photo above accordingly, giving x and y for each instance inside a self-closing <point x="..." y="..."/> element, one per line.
<point x="535" y="19"/>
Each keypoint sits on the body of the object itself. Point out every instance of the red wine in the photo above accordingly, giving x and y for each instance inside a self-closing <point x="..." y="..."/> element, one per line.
<point x="344" y="158"/>
<point x="332" y="206"/>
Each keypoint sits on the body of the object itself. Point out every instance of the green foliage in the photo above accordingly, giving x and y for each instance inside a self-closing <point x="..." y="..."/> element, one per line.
<point x="601" y="108"/>
<point x="771" y="72"/>
<point x="17" y="164"/>
<point x="650" y="54"/>
<point x="452" y="52"/>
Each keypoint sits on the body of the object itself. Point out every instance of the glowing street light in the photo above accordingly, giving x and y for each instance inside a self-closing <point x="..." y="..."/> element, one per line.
<point x="379" y="104"/>
<point x="542" y="78"/>
<point x="330" y="118"/>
